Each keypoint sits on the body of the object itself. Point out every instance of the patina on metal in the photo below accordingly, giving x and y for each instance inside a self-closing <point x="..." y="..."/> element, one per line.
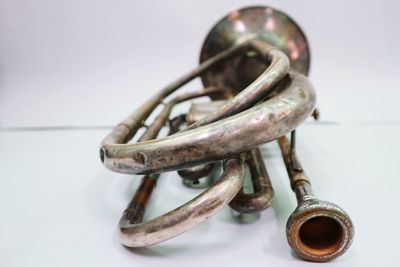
<point x="134" y="232"/>
<point x="262" y="195"/>
<point x="317" y="230"/>
<point x="253" y="63"/>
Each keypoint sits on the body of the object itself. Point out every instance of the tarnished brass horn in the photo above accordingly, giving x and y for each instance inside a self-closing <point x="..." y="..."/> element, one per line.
<point x="253" y="65"/>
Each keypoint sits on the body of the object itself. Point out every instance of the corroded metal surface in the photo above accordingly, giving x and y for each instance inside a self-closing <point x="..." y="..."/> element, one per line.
<point x="198" y="111"/>
<point x="218" y="140"/>
<point x="196" y="172"/>
<point x="261" y="197"/>
<point x="255" y="59"/>
<point x="316" y="230"/>
<point x="187" y="216"/>
<point x="134" y="232"/>
<point x="265" y="23"/>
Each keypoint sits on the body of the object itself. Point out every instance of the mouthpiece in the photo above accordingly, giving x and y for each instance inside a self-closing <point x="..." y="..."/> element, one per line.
<point x="319" y="230"/>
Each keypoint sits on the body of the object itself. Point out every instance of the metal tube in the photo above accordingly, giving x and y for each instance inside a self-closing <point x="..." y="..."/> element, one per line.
<point x="261" y="87"/>
<point x="131" y="225"/>
<point x="127" y="128"/>
<point x="187" y="216"/>
<point x="216" y="141"/>
<point x="196" y="172"/>
<point x="263" y="193"/>
<point x="137" y="206"/>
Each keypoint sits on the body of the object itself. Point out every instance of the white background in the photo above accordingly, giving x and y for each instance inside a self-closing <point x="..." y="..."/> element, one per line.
<point x="75" y="68"/>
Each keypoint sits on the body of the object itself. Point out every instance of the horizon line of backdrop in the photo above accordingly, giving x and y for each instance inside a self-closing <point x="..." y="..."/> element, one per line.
<point x="88" y="63"/>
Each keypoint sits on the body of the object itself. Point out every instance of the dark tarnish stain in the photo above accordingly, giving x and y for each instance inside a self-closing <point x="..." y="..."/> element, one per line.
<point x="211" y="206"/>
<point x="140" y="158"/>
<point x="190" y="150"/>
<point x="134" y="216"/>
<point x="301" y="92"/>
<point x="164" y="224"/>
<point x="122" y="165"/>
<point x="153" y="229"/>
<point x="161" y="161"/>
<point x="271" y="116"/>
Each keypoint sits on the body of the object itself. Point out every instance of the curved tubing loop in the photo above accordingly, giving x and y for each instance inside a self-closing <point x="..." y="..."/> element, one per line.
<point x="133" y="233"/>
<point x="263" y="193"/>
<point x="227" y="137"/>
<point x="196" y="172"/>
<point x="257" y="90"/>
<point x="125" y="130"/>
<point x="279" y="115"/>
<point x="153" y="130"/>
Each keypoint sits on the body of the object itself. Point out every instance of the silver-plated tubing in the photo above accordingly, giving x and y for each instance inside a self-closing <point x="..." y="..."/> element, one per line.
<point x="316" y="230"/>
<point x="196" y="172"/>
<point x="137" y="206"/>
<point x="218" y="140"/>
<point x="263" y="193"/>
<point x="175" y="123"/>
<point x="199" y="110"/>
<point x="188" y="215"/>
<point x="257" y="90"/>
<point x="131" y="225"/>
<point x="153" y="130"/>
<point x="279" y="66"/>
<point x="127" y="128"/>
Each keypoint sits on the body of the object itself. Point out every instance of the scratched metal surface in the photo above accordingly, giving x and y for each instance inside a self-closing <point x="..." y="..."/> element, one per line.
<point x="69" y="72"/>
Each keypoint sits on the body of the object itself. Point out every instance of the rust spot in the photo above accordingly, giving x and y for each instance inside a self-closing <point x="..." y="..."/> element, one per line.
<point x="133" y="215"/>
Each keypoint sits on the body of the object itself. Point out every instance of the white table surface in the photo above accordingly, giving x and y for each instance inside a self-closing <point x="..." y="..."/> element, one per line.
<point x="60" y="207"/>
<point x="72" y="69"/>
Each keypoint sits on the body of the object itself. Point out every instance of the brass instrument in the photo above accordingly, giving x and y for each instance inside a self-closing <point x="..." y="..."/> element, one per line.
<point x="252" y="65"/>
